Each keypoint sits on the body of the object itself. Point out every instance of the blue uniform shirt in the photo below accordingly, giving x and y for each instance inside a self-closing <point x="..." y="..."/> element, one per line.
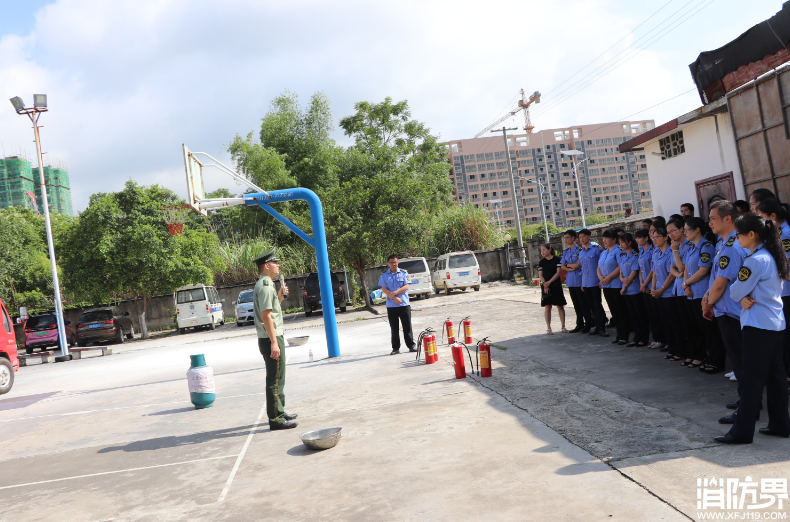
<point x="573" y="278"/>
<point x="726" y="263"/>
<point x="784" y="231"/>
<point x="609" y="262"/>
<point x="759" y="279"/>
<point x="661" y="263"/>
<point x="394" y="282"/>
<point x="699" y="255"/>
<point x="645" y="262"/>
<point x="589" y="263"/>
<point x="685" y="248"/>
<point x="628" y="264"/>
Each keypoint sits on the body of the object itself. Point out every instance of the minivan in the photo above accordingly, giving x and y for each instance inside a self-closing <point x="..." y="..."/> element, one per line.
<point x="9" y="362"/>
<point x="456" y="271"/>
<point x="311" y="297"/>
<point x="198" y="305"/>
<point x="419" y="275"/>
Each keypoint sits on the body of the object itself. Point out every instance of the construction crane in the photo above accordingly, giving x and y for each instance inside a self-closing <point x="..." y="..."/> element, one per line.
<point x="523" y="105"/>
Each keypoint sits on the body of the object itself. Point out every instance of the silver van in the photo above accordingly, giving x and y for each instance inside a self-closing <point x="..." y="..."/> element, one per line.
<point x="456" y="271"/>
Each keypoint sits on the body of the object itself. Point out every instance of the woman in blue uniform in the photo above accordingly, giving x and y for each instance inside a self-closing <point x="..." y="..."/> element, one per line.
<point x="662" y="285"/>
<point x="646" y="249"/>
<point x="699" y="259"/>
<point x="778" y="213"/>
<point x="629" y="276"/>
<point x="609" y="275"/>
<point x="758" y="288"/>
<point x="680" y="248"/>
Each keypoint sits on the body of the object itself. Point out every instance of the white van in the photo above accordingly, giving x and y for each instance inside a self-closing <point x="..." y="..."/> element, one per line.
<point x="419" y="275"/>
<point x="198" y="305"/>
<point x="456" y="270"/>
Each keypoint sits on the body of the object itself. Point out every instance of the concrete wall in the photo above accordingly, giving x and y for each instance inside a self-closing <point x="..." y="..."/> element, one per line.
<point x="708" y="153"/>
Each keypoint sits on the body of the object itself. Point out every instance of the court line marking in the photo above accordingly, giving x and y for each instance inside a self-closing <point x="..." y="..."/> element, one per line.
<point x="241" y="456"/>
<point x="117" y="471"/>
<point x="121" y="408"/>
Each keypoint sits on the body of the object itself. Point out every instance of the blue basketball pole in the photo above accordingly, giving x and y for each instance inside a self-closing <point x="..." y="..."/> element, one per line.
<point x="318" y="242"/>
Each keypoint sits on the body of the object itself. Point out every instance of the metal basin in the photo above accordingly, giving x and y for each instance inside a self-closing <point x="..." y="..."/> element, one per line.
<point x="297" y="341"/>
<point x="321" y="439"/>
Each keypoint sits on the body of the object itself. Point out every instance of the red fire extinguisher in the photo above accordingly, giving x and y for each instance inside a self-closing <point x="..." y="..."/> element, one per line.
<point x="467" y="325"/>
<point x="429" y="345"/>
<point x="448" y="326"/>
<point x="458" y="360"/>
<point x="484" y="352"/>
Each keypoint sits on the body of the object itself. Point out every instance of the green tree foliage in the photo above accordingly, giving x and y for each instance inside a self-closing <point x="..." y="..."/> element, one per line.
<point x="120" y="247"/>
<point x="462" y="227"/>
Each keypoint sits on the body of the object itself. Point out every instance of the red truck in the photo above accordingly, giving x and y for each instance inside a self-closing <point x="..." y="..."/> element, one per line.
<point x="9" y="363"/>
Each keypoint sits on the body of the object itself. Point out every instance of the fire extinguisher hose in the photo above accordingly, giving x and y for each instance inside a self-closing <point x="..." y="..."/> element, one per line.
<point x="471" y="361"/>
<point x="444" y="324"/>
<point x="419" y="341"/>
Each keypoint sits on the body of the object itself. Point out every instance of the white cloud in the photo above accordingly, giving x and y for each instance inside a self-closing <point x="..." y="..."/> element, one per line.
<point x="128" y="82"/>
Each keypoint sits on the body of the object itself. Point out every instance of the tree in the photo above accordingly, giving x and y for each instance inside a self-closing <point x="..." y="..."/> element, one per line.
<point x="392" y="181"/>
<point x="120" y="248"/>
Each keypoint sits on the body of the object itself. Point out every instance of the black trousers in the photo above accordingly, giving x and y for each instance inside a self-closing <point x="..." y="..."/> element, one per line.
<point x="786" y="310"/>
<point x="275" y="379"/>
<point x="617" y="306"/>
<point x="592" y="295"/>
<point x="698" y="337"/>
<point x="731" y="336"/>
<point x="615" y="318"/>
<point x="584" y="317"/>
<point x="671" y="322"/>
<point x="639" y="322"/>
<point x="762" y="367"/>
<point x="402" y="314"/>
<point x="654" y="316"/>
<point x="686" y="322"/>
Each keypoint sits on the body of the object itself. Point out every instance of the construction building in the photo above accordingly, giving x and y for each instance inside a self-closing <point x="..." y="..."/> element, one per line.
<point x="611" y="182"/>
<point x="19" y="180"/>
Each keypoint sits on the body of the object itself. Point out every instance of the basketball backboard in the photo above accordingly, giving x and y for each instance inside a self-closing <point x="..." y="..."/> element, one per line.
<point x="195" y="189"/>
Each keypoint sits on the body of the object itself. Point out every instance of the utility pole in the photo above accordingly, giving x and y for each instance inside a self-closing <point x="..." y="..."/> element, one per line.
<point x="514" y="197"/>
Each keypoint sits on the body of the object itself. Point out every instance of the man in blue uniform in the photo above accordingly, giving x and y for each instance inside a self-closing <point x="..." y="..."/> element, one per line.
<point x="717" y="301"/>
<point x="588" y="259"/>
<point x="394" y="284"/>
<point x="573" y="280"/>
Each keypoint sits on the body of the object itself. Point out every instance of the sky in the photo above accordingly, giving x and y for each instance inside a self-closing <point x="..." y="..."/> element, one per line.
<point x="129" y="81"/>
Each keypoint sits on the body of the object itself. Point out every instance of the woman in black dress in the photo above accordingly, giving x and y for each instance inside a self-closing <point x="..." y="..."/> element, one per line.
<point x="552" y="295"/>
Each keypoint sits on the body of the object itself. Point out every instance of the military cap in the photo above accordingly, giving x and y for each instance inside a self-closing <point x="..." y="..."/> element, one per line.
<point x="266" y="257"/>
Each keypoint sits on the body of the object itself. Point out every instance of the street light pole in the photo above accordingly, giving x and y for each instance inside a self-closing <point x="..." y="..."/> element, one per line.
<point x="542" y="209"/>
<point x="514" y="197"/>
<point x="40" y="105"/>
<point x="573" y="153"/>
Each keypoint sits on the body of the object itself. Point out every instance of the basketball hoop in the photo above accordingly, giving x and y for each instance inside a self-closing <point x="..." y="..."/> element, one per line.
<point x="176" y="215"/>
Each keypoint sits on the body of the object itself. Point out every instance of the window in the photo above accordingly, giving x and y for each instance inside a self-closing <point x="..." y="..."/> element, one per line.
<point x="577" y="133"/>
<point x="522" y="142"/>
<point x="505" y="192"/>
<point x="454" y="147"/>
<point x="475" y="196"/>
<point x="672" y="145"/>
<point x="503" y="184"/>
<point x="490" y="166"/>
<point x="481" y="157"/>
<point x="187" y="296"/>
<point x="493" y="194"/>
<point x="471" y="177"/>
<point x="469" y="158"/>
<point x="489" y="156"/>
<point x="499" y="155"/>
<point x="626" y="130"/>
<point x="483" y="176"/>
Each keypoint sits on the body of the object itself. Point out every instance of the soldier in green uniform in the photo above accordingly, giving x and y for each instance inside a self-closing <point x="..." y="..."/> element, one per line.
<point x="269" y="326"/>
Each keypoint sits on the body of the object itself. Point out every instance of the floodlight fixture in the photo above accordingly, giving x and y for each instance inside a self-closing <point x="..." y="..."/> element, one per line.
<point x="18" y="104"/>
<point x="40" y="100"/>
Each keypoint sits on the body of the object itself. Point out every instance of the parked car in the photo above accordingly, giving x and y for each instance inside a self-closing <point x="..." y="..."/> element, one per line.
<point x="9" y="363"/>
<point x="104" y="324"/>
<point x="419" y="274"/>
<point x="312" y="294"/>
<point x="456" y="271"/>
<point x="198" y="306"/>
<point x="244" y="312"/>
<point x="41" y="331"/>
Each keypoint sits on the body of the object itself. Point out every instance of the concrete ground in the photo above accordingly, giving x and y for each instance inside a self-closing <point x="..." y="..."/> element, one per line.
<point x="570" y="427"/>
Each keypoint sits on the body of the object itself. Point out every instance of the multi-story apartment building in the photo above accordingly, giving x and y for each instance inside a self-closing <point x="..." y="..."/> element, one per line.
<point x="610" y="182"/>
<point x="18" y="178"/>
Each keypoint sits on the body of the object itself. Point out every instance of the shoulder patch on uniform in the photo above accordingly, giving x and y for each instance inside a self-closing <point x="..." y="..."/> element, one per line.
<point x="724" y="261"/>
<point x="704" y="257"/>
<point x="786" y="244"/>
<point x="730" y="241"/>
<point x="707" y="243"/>
<point x="265" y="282"/>
<point x="633" y="253"/>
<point x="744" y="273"/>
<point x="622" y="254"/>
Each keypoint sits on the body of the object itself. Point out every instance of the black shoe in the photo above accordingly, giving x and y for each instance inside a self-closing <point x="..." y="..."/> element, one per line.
<point x="287" y="425"/>
<point x="585" y="330"/>
<point x="603" y="334"/>
<point x="290" y="416"/>
<point x="412" y="349"/>
<point x="729" y="419"/>
<point x="594" y="331"/>
<point x="769" y="431"/>
<point x="616" y="341"/>
<point x="395" y="352"/>
<point x="729" y="439"/>
<point x="664" y="348"/>
<point x="733" y="405"/>
<point x="576" y="330"/>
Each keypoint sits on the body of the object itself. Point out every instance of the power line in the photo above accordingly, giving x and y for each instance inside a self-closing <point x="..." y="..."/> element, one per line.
<point x="633" y="53"/>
